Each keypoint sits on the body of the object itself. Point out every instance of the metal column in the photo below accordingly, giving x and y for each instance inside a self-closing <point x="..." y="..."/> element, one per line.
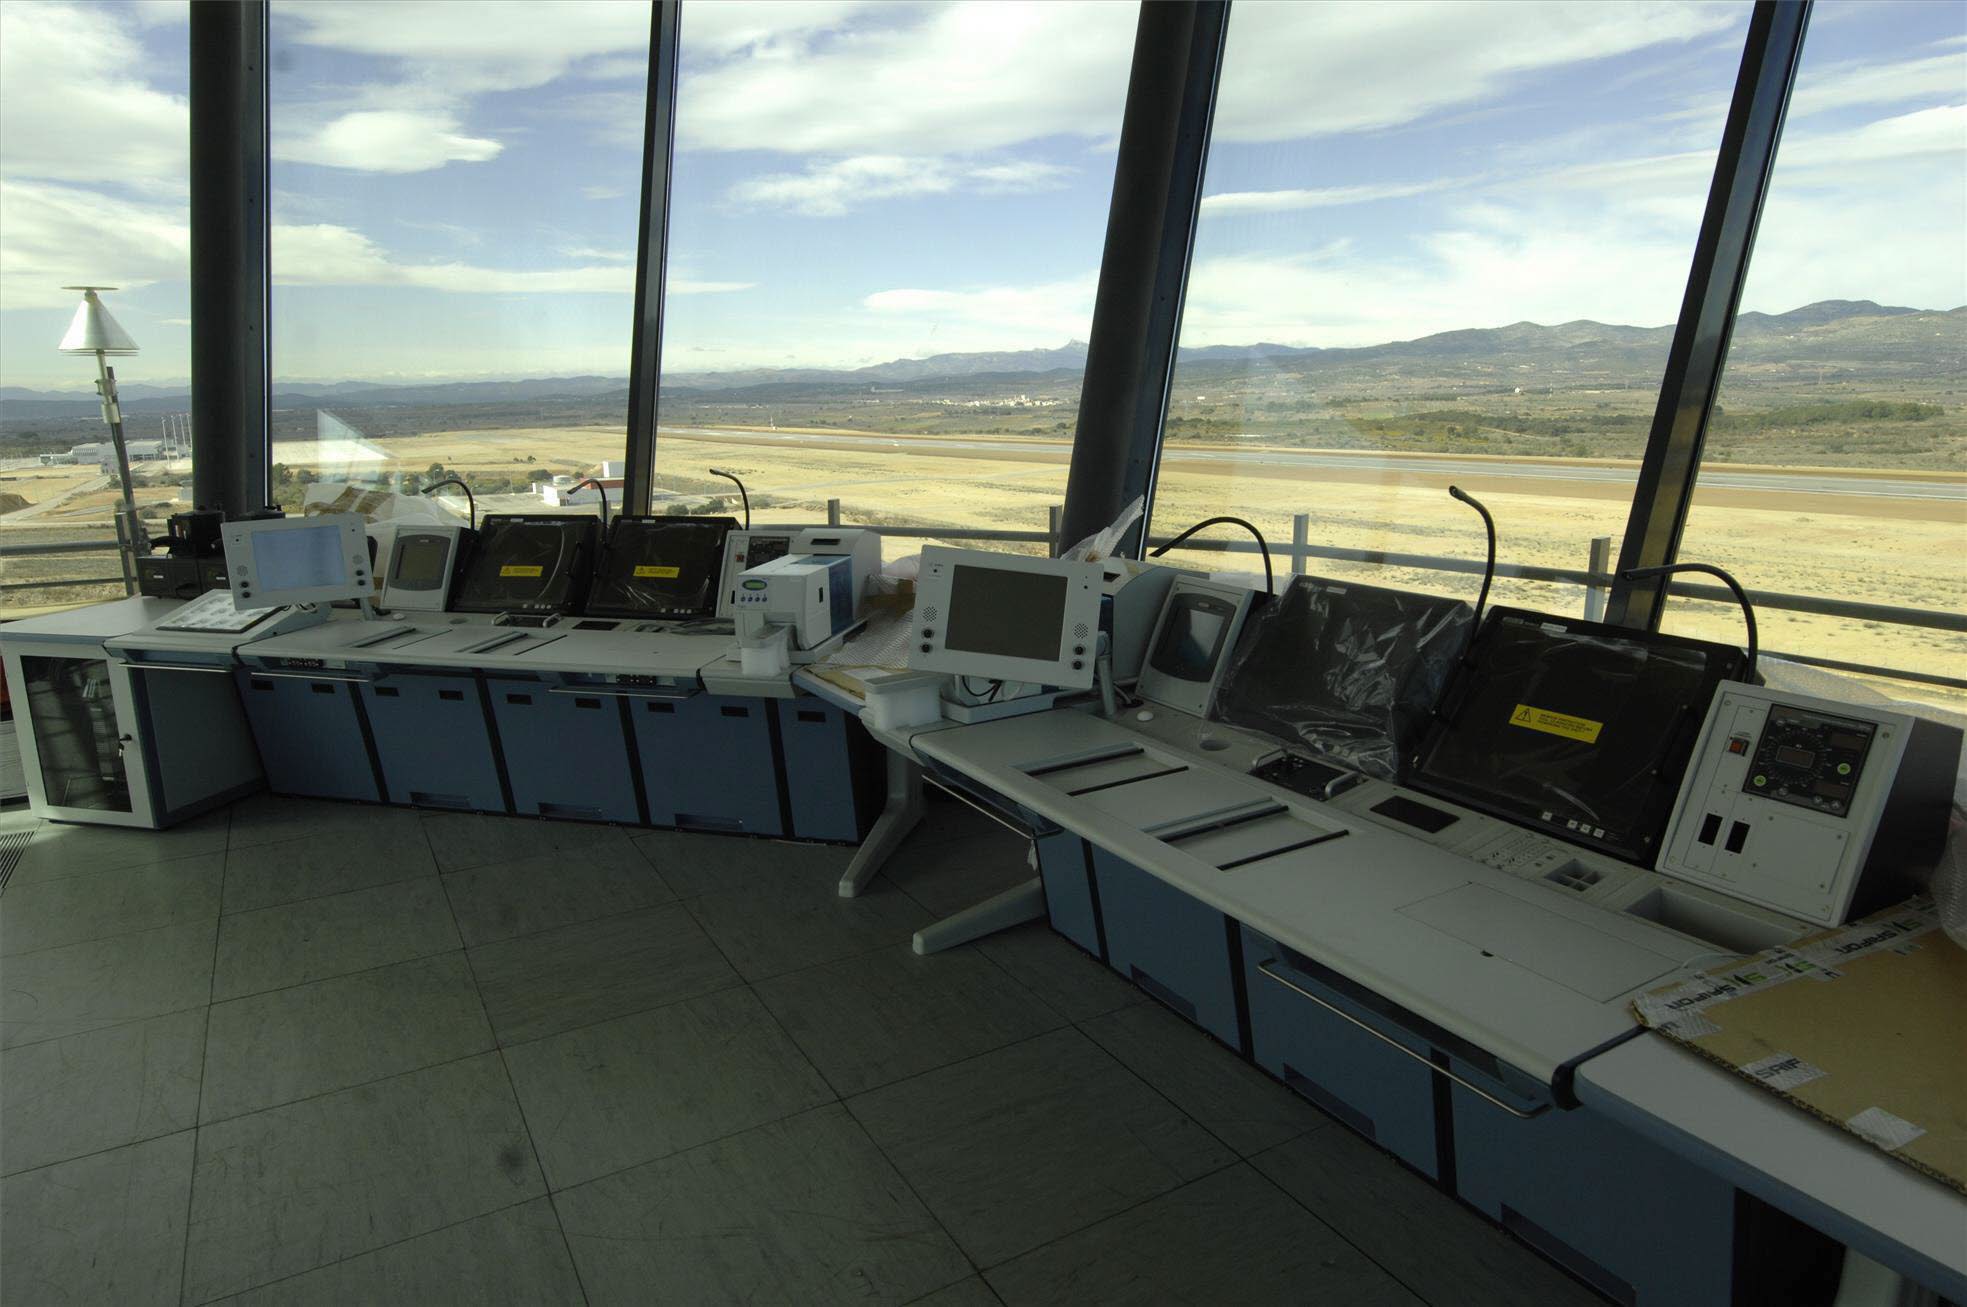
<point x="651" y="259"/>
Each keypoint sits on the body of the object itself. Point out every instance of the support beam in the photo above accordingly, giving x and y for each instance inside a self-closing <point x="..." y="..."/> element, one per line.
<point x="229" y="260"/>
<point x="651" y="258"/>
<point x="1707" y="314"/>
<point x="1157" y="193"/>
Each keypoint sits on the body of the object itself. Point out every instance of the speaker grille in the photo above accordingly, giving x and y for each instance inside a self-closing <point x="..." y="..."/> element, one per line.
<point x="929" y="614"/>
<point x="1080" y="632"/>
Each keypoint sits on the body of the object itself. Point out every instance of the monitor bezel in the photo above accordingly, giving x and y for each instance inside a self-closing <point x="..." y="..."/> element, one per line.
<point x="604" y="568"/>
<point x="402" y="595"/>
<point x="240" y="538"/>
<point x="927" y="651"/>
<point x="1182" y="693"/>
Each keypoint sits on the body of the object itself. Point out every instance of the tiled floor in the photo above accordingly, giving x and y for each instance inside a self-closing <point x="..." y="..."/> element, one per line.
<point x="319" y="1053"/>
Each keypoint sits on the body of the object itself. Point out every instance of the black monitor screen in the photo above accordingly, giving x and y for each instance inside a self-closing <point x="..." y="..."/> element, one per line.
<point x="1575" y="728"/>
<point x="661" y="567"/>
<point x="529" y="565"/>
<point x="421" y="561"/>
<point x="1348" y="671"/>
<point x="1192" y="636"/>
<point x="1010" y="614"/>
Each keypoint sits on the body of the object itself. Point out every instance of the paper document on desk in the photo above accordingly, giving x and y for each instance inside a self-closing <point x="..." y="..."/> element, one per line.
<point x="1858" y="1026"/>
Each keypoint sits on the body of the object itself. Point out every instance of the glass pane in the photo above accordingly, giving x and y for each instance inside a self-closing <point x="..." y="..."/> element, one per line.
<point x="455" y="198"/>
<point x="885" y="236"/>
<point x="1834" y="462"/>
<point x="73" y="715"/>
<point x="94" y="156"/>
<point x="1441" y="245"/>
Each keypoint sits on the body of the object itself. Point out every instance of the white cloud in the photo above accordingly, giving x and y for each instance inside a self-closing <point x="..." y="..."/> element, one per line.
<point x="829" y="188"/>
<point x="326" y="254"/>
<point x="601" y="192"/>
<point x="1058" y="310"/>
<point x="1317" y="198"/>
<point x="1855" y="82"/>
<point x="726" y="28"/>
<point x="388" y="140"/>
<point x="58" y="235"/>
<point x="674" y="285"/>
<point x="80" y="109"/>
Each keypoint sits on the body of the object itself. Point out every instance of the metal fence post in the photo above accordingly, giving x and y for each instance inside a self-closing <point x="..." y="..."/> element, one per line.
<point x="1300" y="541"/>
<point x="1598" y="563"/>
<point x="1054" y="522"/>
<point x="833" y="512"/>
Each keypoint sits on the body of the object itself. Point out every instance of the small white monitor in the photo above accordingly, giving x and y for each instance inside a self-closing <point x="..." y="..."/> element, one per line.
<point x="422" y="565"/>
<point x="1006" y="617"/>
<point x="1199" y="625"/>
<point x="297" y="560"/>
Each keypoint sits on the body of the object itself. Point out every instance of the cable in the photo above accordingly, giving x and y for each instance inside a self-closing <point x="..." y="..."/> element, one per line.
<point x="1741" y="597"/>
<point x="600" y="490"/>
<point x="469" y="499"/>
<point x="1488" y="572"/>
<point x="1270" y="581"/>
<point x="719" y="472"/>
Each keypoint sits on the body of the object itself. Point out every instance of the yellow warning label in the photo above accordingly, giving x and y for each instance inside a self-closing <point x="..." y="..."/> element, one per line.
<point x="521" y="569"/>
<point x="663" y="573"/>
<point x="1556" y="723"/>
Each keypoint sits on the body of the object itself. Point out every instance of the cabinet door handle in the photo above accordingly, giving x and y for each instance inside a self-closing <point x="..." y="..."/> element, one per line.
<point x="317" y="676"/>
<point x="179" y="667"/>
<point x="1390" y="1042"/>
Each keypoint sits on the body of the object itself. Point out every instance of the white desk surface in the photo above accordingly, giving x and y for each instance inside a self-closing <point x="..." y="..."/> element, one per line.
<point x="1827" y="1178"/>
<point x="102" y="621"/>
<point x="1338" y="903"/>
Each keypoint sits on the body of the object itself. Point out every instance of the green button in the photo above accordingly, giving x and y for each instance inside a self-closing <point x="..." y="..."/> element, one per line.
<point x="1843" y="769"/>
<point x="1762" y="780"/>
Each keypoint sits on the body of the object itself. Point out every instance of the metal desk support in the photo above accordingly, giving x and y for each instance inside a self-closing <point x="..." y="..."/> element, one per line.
<point x="1014" y="907"/>
<point x="899" y="814"/>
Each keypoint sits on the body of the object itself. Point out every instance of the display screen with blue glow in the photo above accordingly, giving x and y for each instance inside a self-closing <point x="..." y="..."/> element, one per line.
<point x="307" y="558"/>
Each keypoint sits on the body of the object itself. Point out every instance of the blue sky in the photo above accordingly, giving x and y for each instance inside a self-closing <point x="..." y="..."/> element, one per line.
<point x="861" y="182"/>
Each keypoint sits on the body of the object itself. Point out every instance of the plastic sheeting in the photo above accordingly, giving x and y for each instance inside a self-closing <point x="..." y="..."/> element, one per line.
<point x="1348" y="671"/>
<point x="660" y="567"/>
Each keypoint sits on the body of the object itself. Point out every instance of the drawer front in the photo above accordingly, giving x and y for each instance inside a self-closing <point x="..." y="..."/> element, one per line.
<point x="566" y="755"/>
<point x="1069" y="889"/>
<point x="434" y="743"/>
<point x="310" y="739"/>
<point x="707" y="763"/>
<point x="1378" y="1091"/>
<point x="1174" y="947"/>
<point x="1641" y="1224"/>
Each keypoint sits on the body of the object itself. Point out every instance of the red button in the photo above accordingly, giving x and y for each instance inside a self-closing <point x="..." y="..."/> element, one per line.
<point x="1738" y="746"/>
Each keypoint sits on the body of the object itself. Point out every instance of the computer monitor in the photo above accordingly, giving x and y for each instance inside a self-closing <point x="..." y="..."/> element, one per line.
<point x="423" y="564"/>
<point x="529" y="564"/>
<point x="1574" y="728"/>
<point x="1348" y="672"/>
<point x="662" y="567"/>
<point x="1192" y="640"/>
<point x="297" y="560"/>
<point x="1006" y="617"/>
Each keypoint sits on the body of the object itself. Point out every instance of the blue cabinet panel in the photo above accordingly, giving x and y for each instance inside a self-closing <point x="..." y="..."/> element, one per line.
<point x="433" y="742"/>
<point x="1069" y="889"/>
<point x="1379" y="1091"/>
<point x="707" y="763"/>
<point x="1644" y="1225"/>
<point x="309" y="737"/>
<point x="566" y="754"/>
<point x="825" y="769"/>
<point x="1173" y="946"/>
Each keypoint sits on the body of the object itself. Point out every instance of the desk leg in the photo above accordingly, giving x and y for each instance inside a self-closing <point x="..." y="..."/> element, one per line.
<point x="1014" y="907"/>
<point x="899" y="814"/>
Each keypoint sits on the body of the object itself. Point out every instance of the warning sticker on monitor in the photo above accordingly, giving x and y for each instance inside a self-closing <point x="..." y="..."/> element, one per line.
<point x="1556" y="723"/>
<point x="521" y="569"/>
<point x="645" y="570"/>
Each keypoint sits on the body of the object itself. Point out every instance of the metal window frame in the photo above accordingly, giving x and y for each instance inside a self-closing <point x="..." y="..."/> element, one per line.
<point x="651" y="258"/>
<point x="1667" y="473"/>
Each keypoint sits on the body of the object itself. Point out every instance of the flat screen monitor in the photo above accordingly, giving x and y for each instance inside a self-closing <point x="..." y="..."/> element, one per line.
<point x="1006" y="617"/>
<point x="661" y="567"/>
<point x="297" y="560"/>
<point x="1573" y="728"/>
<point x="422" y="565"/>
<point x="1192" y="640"/>
<point x="1347" y="671"/>
<point x="535" y="565"/>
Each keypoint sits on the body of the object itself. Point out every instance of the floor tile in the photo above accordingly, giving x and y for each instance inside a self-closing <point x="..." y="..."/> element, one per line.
<point x="333" y="862"/>
<point x="768" y="928"/>
<point x="800" y="1211"/>
<point x="1233" y="1100"/>
<point x="279" y="818"/>
<point x="64" y="991"/>
<point x="513" y="1258"/>
<point x="1075" y="983"/>
<point x="1231" y="1237"/>
<point x="50" y="913"/>
<point x="527" y="895"/>
<point x="972" y="1292"/>
<point x="311" y="940"/>
<point x="947" y="876"/>
<point x="692" y="863"/>
<point x="951" y="821"/>
<point x="642" y="1087"/>
<point x="62" y="1098"/>
<point x="309" y="1039"/>
<point x="1017" y="1147"/>
<point x="464" y="840"/>
<point x="558" y="979"/>
<point x="297" y="1187"/>
<point x="108" y="1228"/>
<point x="1380" y="1207"/>
<point x="60" y="849"/>
<point x="877" y="1018"/>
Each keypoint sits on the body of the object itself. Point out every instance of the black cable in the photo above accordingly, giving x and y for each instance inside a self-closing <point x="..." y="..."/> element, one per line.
<point x="1741" y="597"/>
<point x="469" y="499"/>
<point x="600" y="490"/>
<point x="719" y="472"/>
<point x="1489" y="572"/>
<point x="1270" y="581"/>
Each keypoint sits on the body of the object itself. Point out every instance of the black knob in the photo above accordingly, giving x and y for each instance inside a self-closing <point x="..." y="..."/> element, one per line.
<point x="1079" y="648"/>
<point x="928" y="648"/>
<point x="1076" y="664"/>
<point x="927" y="631"/>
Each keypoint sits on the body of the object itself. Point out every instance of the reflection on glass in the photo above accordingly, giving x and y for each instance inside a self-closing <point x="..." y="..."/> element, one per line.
<point x="73" y="716"/>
